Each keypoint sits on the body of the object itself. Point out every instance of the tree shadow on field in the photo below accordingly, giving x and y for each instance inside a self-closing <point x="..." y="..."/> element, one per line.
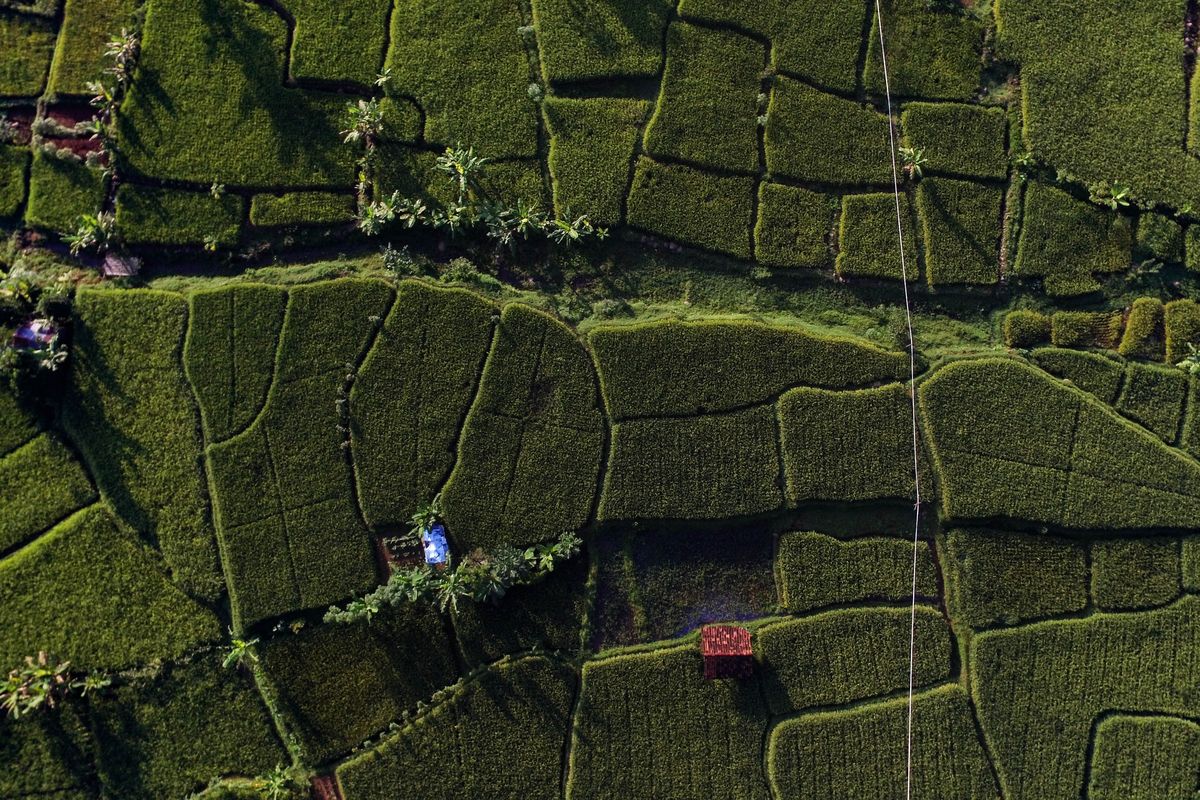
<point x="520" y="689"/>
<point x="947" y="217"/>
<point x="107" y="449"/>
<point x="298" y="119"/>
<point x="637" y="17"/>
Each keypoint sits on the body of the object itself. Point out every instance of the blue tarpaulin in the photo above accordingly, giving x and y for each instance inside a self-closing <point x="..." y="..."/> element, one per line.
<point x="433" y="539"/>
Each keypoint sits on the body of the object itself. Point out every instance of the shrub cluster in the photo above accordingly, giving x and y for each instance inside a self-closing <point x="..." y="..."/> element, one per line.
<point x="480" y="577"/>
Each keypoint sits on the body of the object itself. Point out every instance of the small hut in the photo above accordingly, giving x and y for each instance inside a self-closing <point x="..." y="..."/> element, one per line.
<point x="324" y="787"/>
<point x="116" y="265"/>
<point x="36" y="334"/>
<point x="727" y="652"/>
<point x="437" y="548"/>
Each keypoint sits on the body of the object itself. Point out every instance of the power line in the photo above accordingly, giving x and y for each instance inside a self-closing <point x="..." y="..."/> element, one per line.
<point x="912" y="392"/>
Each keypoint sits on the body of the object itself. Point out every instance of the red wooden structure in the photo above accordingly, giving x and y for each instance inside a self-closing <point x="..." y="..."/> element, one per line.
<point x="324" y="787"/>
<point x="727" y="652"/>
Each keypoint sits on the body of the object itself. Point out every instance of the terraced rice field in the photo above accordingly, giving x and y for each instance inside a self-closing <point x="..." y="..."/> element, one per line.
<point x="870" y="328"/>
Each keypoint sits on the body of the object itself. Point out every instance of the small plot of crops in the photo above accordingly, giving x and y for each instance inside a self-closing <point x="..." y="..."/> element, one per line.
<point x="132" y="415"/>
<point x="861" y="751"/>
<point x="90" y="588"/>
<point x="530" y="454"/>
<point x="817" y="570"/>
<point x="845" y="655"/>
<point x="169" y="736"/>
<point x="1150" y="756"/>
<point x="411" y="396"/>
<point x="43" y="485"/>
<point x="337" y="685"/>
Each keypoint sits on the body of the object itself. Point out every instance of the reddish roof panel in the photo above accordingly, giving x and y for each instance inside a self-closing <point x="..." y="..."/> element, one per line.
<point x="725" y="640"/>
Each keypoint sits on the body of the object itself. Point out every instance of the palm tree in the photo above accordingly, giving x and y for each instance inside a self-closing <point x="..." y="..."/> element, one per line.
<point x="366" y="123"/>
<point x="240" y="653"/>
